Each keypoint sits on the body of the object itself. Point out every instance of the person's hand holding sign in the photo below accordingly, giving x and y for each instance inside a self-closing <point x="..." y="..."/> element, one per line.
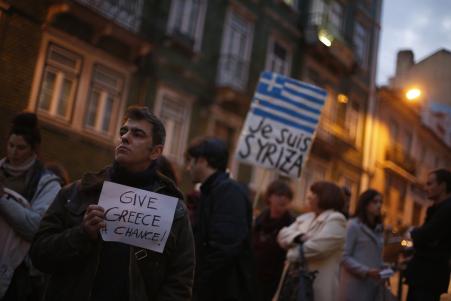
<point x="93" y="221"/>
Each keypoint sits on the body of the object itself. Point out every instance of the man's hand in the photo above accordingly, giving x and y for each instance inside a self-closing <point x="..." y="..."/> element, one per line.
<point x="374" y="273"/>
<point x="93" y="221"/>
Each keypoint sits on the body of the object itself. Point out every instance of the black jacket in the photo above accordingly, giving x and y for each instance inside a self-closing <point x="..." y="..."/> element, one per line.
<point x="63" y="250"/>
<point x="223" y="243"/>
<point x="430" y="266"/>
<point x="267" y="250"/>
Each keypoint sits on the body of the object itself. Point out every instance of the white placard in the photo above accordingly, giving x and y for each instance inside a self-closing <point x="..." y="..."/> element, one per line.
<point x="281" y="123"/>
<point x="136" y="217"/>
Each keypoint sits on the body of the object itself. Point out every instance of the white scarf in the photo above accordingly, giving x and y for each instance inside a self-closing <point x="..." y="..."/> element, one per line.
<point x="15" y="170"/>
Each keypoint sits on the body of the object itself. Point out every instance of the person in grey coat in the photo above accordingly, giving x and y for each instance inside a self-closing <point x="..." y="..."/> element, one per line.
<point x="26" y="190"/>
<point x="362" y="257"/>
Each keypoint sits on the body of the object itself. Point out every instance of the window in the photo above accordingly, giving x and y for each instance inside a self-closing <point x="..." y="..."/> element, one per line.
<point x="174" y="110"/>
<point x="366" y="6"/>
<point x="402" y="186"/>
<point x="348" y="117"/>
<point x="293" y="4"/>
<point x="59" y="82"/>
<point x="105" y="92"/>
<point x="393" y="125"/>
<point x="421" y="151"/>
<point x="79" y="89"/>
<point x="336" y="16"/>
<point x="353" y="119"/>
<point x="351" y="184"/>
<point x="341" y="114"/>
<point x="126" y="13"/>
<point x="317" y="12"/>
<point x="186" y="20"/>
<point x="406" y="142"/>
<point x="279" y="57"/>
<point x="361" y="44"/>
<point x="328" y="14"/>
<point x="387" y="187"/>
<point x="235" y="52"/>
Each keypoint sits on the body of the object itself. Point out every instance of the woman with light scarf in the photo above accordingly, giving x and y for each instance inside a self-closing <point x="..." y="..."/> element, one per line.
<point x="26" y="191"/>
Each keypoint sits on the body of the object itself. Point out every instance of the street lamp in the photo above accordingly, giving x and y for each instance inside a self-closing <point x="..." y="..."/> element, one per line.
<point x="342" y="98"/>
<point x="325" y="37"/>
<point x="413" y="94"/>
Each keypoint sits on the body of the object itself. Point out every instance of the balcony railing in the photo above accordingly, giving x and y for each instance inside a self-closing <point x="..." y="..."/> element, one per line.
<point x="397" y="155"/>
<point x="321" y="28"/>
<point x="233" y="72"/>
<point x="126" y="13"/>
<point x="323" y="22"/>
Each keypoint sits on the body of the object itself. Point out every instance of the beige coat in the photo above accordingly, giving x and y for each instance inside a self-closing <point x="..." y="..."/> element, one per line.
<point x="323" y="248"/>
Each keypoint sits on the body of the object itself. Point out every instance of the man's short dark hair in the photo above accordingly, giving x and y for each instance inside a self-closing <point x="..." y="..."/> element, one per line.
<point x="214" y="150"/>
<point x="443" y="175"/>
<point x="281" y="188"/>
<point x="143" y="113"/>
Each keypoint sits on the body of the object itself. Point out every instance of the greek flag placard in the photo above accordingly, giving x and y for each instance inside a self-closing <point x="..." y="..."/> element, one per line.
<point x="281" y="123"/>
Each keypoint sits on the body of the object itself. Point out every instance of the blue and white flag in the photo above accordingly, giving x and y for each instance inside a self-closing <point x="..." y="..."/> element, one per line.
<point x="280" y="124"/>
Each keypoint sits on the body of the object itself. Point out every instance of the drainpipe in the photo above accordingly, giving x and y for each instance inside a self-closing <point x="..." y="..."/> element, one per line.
<point x="368" y="150"/>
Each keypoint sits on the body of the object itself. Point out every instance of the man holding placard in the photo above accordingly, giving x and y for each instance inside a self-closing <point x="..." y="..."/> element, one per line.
<point x="122" y="233"/>
<point x="223" y="226"/>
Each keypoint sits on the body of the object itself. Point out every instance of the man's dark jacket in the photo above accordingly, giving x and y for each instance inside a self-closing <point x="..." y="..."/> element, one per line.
<point x="430" y="266"/>
<point x="62" y="249"/>
<point x="223" y="243"/>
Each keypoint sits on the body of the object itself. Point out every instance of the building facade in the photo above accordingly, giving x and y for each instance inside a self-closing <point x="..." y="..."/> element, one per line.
<point x="411" y="137"/>
<point x="405" y="151"/>
<point x="340" y="44"/>
<point x="75" y="64"/>
<point x="431" y="76"/>
<point x="195" y="63"/>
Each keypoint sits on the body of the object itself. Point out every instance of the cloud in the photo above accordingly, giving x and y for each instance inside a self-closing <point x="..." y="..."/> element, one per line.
<point x="423" y="26"/>
<point x="446" y="23"/>
<point x="421" y="20"/>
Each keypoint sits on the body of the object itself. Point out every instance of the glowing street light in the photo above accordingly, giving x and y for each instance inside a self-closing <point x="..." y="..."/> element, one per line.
<point x="325" y="37"/>
<point x="342" y="98"/>
<point x="413" y="94"/>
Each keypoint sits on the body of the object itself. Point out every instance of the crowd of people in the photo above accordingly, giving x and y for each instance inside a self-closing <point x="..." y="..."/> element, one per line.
<point x="51" y="247"/>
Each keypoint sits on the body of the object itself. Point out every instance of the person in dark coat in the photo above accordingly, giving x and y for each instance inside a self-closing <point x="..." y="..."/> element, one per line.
<point x="81" y="265"/>
<point x="223" y="228"/>
<point x="269" y="256"/>
<point x="428" y="273"/>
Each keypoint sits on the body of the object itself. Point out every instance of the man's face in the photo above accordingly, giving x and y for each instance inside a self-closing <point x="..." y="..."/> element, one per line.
<point x="196" y="168"/>
<point x="136" y="151"/>
<point x="434" y="190"/>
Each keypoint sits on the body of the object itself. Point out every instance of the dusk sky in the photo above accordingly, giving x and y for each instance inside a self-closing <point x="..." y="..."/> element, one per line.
<point x="420" y="25"/>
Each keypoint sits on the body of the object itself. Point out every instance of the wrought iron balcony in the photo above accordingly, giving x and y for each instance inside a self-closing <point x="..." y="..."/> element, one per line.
<point x="321" y="29"/>
<point x="397" y="154"/>
<point x="126" y="13"/>
<point x="233" y="72"/>
<point x="322" y="21"/>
